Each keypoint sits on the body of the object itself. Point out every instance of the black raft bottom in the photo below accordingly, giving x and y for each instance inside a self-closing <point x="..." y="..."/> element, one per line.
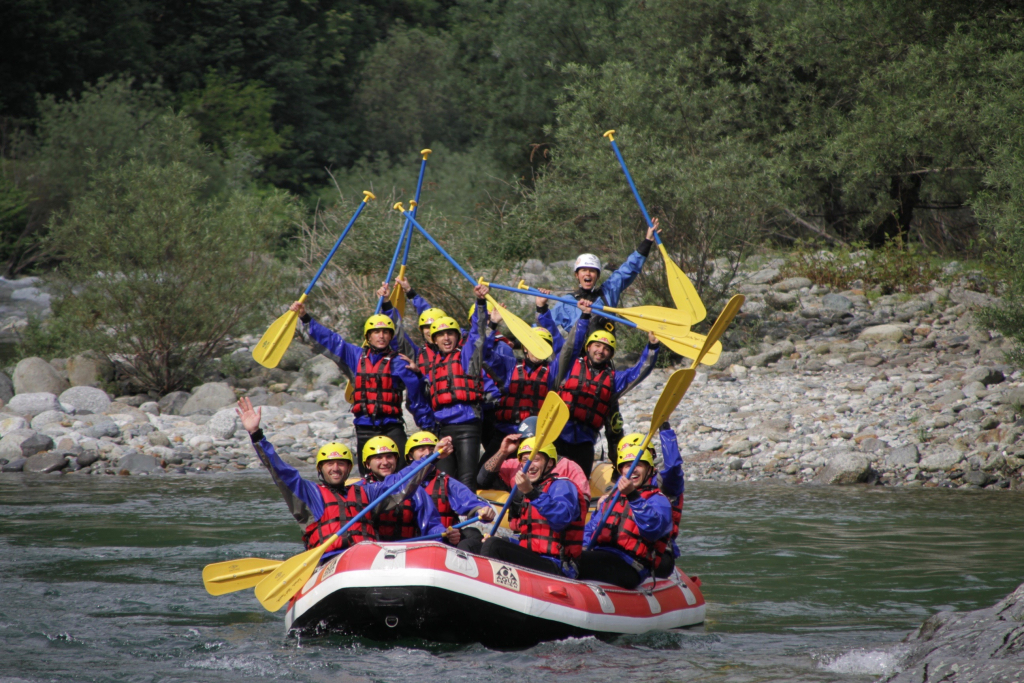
<point x="428" y="613"/>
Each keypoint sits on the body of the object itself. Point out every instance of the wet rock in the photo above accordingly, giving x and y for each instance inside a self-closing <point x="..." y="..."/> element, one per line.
<point x="210" y="396"/>
<point x="87" y="458"/>
<point x="844" y="468"/>
<point x="836" y="302"/>
<point x="295" y="356"/>
<point x="978" y="478"/>
<point x="34" y="375"/>
<point x="33" y="404"/>
<point x="223" y="424"/>
<point x="879" y="333"/>
<point x="89" y="370"/>
<point x="904" y="456"/>
<point x="984" y="375"/>
<point x="43" y="463"/>
<point x="15" y="465"/>
<point x="24" y="443"/>
<point x="86" y="398"/>
<point x="135" y="462"/>
<point x="172" y="403"/>
<point x="961" y="647"/>
<point x="940" y="461"/>
<point x="6" y="388"/>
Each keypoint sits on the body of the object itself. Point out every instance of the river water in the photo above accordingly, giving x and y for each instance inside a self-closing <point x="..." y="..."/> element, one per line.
<point x="100" y="581"/>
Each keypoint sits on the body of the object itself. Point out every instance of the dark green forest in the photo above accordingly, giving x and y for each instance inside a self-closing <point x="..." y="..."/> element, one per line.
<point x="746" y="123"/>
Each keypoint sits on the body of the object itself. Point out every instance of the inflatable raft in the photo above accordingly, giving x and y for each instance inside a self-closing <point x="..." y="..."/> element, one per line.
<point x="387" y="591"/>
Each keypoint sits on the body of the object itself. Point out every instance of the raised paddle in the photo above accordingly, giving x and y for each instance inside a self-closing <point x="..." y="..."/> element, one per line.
<point x="550" y="422"/>
<point x="275" y="590"/>
<point x="235" y="575"/>
<point x="679" y="286"/>
<point x="431" y="537"/>
<point x="398" y="294"/>
<point x="278" y="337"/>
<point x="675" y="387"/>
<point x="519" y="328"/>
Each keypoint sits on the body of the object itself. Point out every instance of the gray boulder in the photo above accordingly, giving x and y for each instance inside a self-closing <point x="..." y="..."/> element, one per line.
<point x="791" y="284"/>
<point x="943" y="460"/>
<point x="151" y="407"/>
<point x="34" y="375"/>
<point x="984" y="375"/>
<point x="9" y="424"/>
<point x="872" y="444"/>
<point x="24" y="443"/>
<point x="979" y="478"/>
<point x="782" y="301"/>
<point x="6" y="388"/>
<point x="295" y="356"/>
<point x="172" y="403"/>
<point x="47" y="417"/>
<point x="764" y="276"/>
<point x="89" y="370"/>
<point x="101" y="429"/>
<point x="136" y="462"/>
<point x="87" y="458"/>
<point x="211" y="396"/>
<point x="43" y="463"/>
<point x="16" y="465"/>
<point x="892" y="333"/>
<point x="844" y="468"/>
<point x="86" y="398"/>
<point x="33" y="404"/>
<point x="159" y="439"/>
<point x="904" y="456"/>
<point x="223" y="424"/>
<point x="836" y="302"/>
<point x="962" y="647"/>
<point x="763" y="359"/>
<point x="318" y="371"/>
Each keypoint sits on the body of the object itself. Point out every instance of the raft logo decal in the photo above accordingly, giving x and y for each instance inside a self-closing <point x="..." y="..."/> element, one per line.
<point x="505" y="575"/>
<point x="329" y="569"/>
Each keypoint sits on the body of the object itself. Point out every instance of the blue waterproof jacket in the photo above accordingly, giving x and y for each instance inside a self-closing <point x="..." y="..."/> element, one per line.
<point x="672" y="478"/>
<point x="653" y="517"/>
<point x="560" y="506"/>
<point x="609" y="292"/>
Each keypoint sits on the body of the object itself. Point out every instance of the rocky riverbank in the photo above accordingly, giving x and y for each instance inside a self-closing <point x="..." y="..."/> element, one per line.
<point x="815" y="387"/>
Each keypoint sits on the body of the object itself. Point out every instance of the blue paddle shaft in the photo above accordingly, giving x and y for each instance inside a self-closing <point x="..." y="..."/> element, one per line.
<point x="508" y="502"/>
<point x="419" y="188"/>
<point x="335" y="248"/>
<point x="394" y="487"/>
<point x="391" y="268"/>
<point x="608" y="510"/>
<point x="431" y="537"/>
<point x="632" y="186"/>
<point x="440" y="249"/>
<point x="566" y="300"/>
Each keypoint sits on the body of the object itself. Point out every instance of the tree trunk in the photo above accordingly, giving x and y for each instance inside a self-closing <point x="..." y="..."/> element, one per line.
<point x="906" y="191"/>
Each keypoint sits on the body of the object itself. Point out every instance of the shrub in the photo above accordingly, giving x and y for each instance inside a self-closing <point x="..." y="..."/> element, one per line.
<point x="895" y="267"/>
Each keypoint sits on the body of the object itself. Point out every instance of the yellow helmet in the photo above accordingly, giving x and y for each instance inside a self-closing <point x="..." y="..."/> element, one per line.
<point x="428" y="316"/>
<point x="378" y="322"/>
<point x="420" y="439"/>
<point x="543" y="333"/>
<point x="603" y="336"/>
<point x="379" y="445"/>
<point x="490" y="307"/>
<point x="634" y="439"/>
<point x="629" y="454"/>
<point x="333" y="451"/>
<point x="442" y="324"/>
<point x="526" y="447"/>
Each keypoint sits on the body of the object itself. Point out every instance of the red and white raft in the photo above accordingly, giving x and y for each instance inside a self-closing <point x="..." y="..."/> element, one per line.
<point x="387" y="591"/>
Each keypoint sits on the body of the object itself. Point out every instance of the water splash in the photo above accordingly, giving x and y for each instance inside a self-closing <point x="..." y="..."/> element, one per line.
<point x="865" y="662"/>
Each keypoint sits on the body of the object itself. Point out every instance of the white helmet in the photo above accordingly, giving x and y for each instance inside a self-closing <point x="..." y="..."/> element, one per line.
<point x="587" y="261"/>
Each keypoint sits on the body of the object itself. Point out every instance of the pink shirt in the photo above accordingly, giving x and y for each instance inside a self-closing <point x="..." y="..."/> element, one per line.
<point x="564" y="468"/>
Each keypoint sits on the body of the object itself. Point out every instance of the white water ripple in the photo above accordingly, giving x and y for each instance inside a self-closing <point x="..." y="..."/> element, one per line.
<point x="865" y="662"/>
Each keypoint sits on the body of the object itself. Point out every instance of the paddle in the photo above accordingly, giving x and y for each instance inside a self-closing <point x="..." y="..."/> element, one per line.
<point x="275" y="590"/>
<point x="398" y="294"/>
<point x="431" y="537"/>
<point x="519" y="328"/>
<point x="391" y="270"/>
<point x="550" y="422"/>
<point x="278" y="337"/>
<point x="679" y="286"/>
<point x="676" y="386"/>
<point x="685" y="343"/>
<point x="235" y="575"/>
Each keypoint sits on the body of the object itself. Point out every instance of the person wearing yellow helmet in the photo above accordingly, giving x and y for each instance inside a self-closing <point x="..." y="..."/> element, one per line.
<point x="633" y="538"/>
<point x="590" y="385"/>
<point x="546" y="515"/>
<point x="322" y="507"/>
<point x="450" y="496"/>
<point x="381" y="378"/>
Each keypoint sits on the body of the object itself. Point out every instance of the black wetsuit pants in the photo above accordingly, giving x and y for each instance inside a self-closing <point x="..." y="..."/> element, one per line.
<point x="466" y="462"/>
<point x="500" y="549"/>
<point x="599" y="565"/>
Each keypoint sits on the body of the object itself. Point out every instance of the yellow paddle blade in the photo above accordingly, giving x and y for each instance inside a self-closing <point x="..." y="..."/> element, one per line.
<point x="656" y="314"/>
<point x="682" y="290"/>
<point x="235" y="575"/>
<point x="276" y="590"/>
<point x="522" y="331"/>
<point x="718" y="329"/>
<point x="350" y="392"/>
<point x="276" y="339"/>
<point x="675" y="386"/>
<point x="660" y="329"/>
<point x="398" y="295"/>
<point x="689" y="345"/>
<point x="550" y="420"/>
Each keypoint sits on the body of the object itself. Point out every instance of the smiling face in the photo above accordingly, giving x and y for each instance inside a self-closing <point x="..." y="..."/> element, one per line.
<point x="335" y="472"/>
<point x="599" y="352"/>
<point x="587" y="277"/>
<point x="380" y="339"/>
<point x="382" y="465"/>
<point x="639" y="474"/>
<point x="447" y="340"/>
<point x="538" y="466"/>
<point x="420" y="452"/>
<point x="425" y="331"/>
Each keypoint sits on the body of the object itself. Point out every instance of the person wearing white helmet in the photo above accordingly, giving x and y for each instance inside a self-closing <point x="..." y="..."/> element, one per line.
<point x="587" y="271"/>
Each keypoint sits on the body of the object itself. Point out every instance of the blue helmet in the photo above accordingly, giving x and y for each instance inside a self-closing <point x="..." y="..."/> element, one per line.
<point x="528" y="427"/>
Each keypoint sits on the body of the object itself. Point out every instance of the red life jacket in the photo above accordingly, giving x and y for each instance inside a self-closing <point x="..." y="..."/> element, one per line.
<point x="526" y="391"/>
<point x="449" y="383"/>
<point x="338" y="509"/>
<point x="677" y="514"/>
<point x="437" y="489"/>
<point x="377" y="393"/>
<point x="620" y="531"/>
<point x="426" y="358"/>
<point x="588" y="393"/>
<point x="537" y="535"/>
<point x="396" y="524"/>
